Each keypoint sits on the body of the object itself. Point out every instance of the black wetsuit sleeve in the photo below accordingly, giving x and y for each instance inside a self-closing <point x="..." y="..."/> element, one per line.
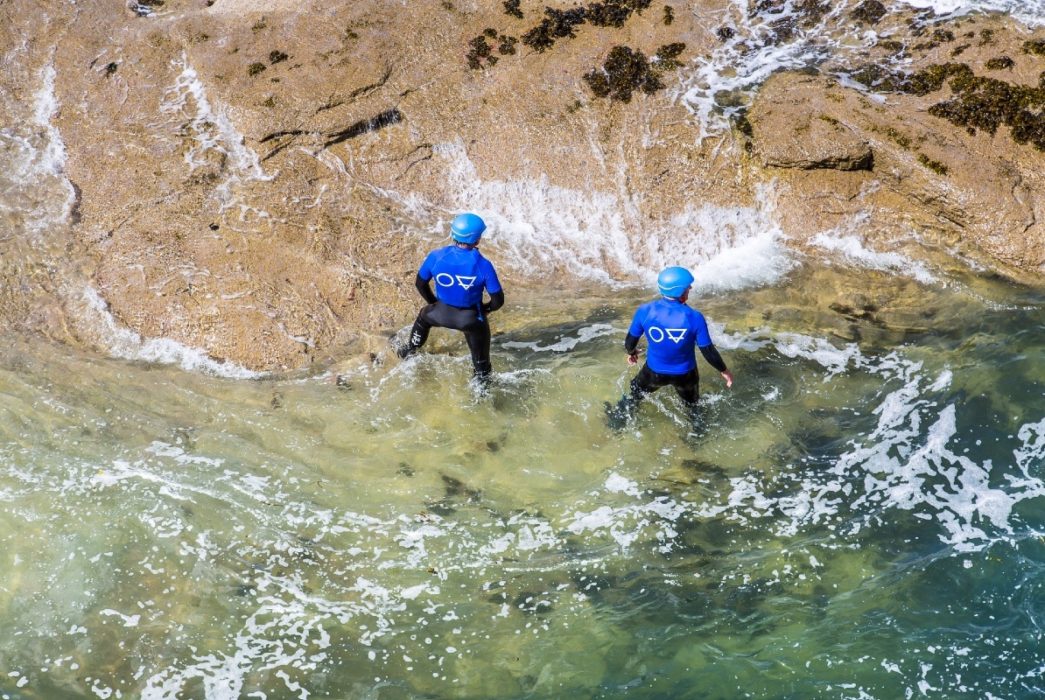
<point x="714" y="359"/>
<point x="631" y="343"/>
<point x="496" y="302"/>
<point x="425" y="289"/>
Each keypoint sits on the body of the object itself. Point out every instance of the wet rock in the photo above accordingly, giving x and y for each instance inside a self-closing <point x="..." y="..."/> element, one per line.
<point x="924" y="166"/>
<point x="792" y="134"/>
<point x="304" y="179"/>
<point x="455" y="488"/>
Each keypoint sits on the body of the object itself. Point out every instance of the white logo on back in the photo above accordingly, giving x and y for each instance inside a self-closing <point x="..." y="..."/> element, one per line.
<point x="656" y="334"/>
<point x="464" y="281"/>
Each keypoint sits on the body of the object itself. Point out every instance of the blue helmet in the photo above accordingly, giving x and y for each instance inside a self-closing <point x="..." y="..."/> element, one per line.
<point x="467" y="228"/>
<point x="674" y="281"/>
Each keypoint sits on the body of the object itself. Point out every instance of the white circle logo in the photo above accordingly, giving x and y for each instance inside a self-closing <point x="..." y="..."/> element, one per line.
<point x="444" y="280"/>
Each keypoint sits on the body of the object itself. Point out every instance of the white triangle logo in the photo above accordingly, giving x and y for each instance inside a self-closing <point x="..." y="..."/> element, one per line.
<point x="465" y="282"/>
<point x="676" y="334"/>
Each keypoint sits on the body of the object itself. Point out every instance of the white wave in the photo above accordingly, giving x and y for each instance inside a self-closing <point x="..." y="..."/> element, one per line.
<point x="719" y="85"/>
<point x="904" y="464"/>
<point x="53" y="156"/>
<point x="854" y="250"/>
<point x="565" y="344"/>
<point x="124" y="343"/>
<point x="1030" y="12"/>
<point x="212" y="131"/>
<point x="544" y="230"/>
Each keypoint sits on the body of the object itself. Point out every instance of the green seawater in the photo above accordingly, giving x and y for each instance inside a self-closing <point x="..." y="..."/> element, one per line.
<point x="861" y="516"/>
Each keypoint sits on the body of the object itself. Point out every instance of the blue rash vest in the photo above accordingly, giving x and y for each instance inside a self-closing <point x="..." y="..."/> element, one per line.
<point x="672" y="330"/>
<point x="460" y="276"/>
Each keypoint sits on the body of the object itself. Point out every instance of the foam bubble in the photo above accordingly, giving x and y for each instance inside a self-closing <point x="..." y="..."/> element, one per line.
<point x="565" y="344"/>
<point x="906" y="463"/>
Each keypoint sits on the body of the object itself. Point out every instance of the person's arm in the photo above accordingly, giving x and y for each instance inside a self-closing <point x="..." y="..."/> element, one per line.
<point x="631" y="341"/>
<point x="710" y="354"/>
<point x="631" y="346"/>
<point x="424" y="288"/>
<point x="493" y="287"/>
<point x="708" y="350"/>
<point x="496" y="302"/>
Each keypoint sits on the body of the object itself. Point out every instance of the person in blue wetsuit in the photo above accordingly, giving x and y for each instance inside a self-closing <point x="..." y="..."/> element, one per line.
<point x="461" y="274"/>
<point x="672" y="330"/>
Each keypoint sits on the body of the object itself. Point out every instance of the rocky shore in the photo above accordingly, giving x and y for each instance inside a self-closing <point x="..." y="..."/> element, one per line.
<point x="259" y="178"/>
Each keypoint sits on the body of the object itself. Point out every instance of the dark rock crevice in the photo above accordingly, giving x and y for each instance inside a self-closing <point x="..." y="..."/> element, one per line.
<point x="363" y="126"/>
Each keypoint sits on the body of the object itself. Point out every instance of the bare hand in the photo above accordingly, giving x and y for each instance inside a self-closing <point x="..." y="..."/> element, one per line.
<point x="728" y="376"/>
<point x="633" y="358"/>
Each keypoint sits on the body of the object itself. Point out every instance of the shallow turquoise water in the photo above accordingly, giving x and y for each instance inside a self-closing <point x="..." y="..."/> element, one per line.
<point x="861" y="516"/>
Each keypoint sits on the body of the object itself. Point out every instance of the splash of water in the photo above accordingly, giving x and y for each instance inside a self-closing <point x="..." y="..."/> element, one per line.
<point x="542" y="229"/>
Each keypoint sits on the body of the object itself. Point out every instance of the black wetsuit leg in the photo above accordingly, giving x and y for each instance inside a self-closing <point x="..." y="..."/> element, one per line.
<point x="478" y="338"/>
<point x="647" y="381"/>
<point x="476" y="333"/>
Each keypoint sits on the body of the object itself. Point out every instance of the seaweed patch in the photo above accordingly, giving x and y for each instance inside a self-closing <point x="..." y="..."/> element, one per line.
<point x="511" y="8"/>
<point x="1000" y="63"/>
<point x="1035" y="47"/>
<point x="562" y="24"/>
<point x="934" y="165"/>
<point x="364" y="126"/>
<point x="627" y="70"/>
<point x="977" y="102"/>
<point x="869" y="12"/>
<point x="481" y="53"/>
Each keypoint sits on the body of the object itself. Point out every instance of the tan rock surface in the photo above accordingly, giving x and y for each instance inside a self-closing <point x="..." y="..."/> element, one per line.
<point x="973" y="194"/>
<point x="260" y="178"/>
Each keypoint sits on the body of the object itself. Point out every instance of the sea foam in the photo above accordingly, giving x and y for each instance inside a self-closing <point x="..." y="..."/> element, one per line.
<point x="124" y="343"/>
<point x="544" y="230"/>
